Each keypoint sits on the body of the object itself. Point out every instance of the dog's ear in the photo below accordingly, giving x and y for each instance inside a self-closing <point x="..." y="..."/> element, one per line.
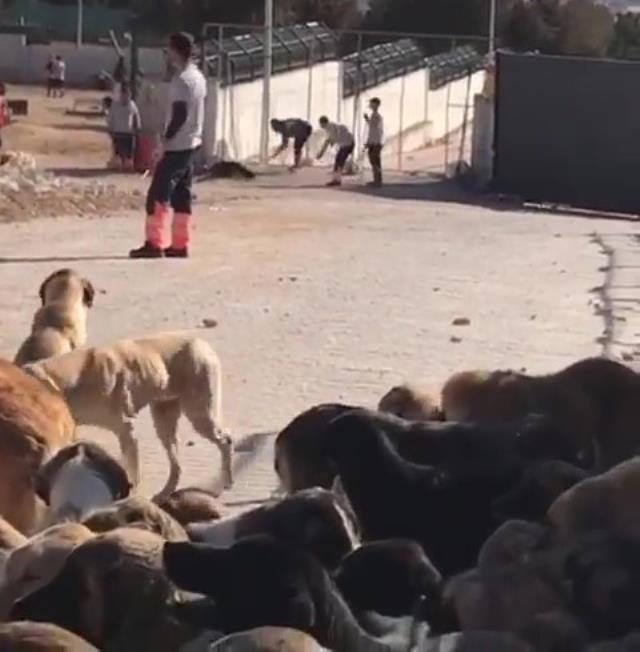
<point x="88" y="293"/>
<point x="110" y="469"/>
<point x="46" y="474"/>
<point x="43" y="287"/>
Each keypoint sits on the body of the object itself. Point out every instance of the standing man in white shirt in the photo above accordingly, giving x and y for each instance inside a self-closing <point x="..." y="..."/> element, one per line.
<point x="375" y="140"/>
<point x="58" y="76"/>
<point x="341" y="137"/>
<point x="171" y="184"/>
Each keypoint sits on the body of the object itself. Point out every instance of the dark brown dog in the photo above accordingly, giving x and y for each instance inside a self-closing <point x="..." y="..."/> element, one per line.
<point x="594" y="403"/>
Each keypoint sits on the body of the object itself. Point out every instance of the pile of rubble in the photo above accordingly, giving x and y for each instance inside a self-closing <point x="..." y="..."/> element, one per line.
<point x="26" y="191"/>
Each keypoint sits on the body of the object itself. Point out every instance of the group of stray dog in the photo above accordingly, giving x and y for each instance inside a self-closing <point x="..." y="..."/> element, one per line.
<point x="502" y="517"/>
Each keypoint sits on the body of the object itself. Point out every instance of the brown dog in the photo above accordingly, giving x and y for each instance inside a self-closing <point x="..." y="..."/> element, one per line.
<point x="34" y="423"/>
<point x="60" y="325"/>
<point x="171" y="373"/>
<point x="594" y="403"/>
<point x="409" y="402"/>
<point x="608" y="502"/>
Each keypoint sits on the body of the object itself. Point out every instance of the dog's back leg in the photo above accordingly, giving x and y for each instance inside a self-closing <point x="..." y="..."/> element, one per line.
<point x="128" y="447"/>
<point x="165" y="416"/>
<point x="200" y="409"/>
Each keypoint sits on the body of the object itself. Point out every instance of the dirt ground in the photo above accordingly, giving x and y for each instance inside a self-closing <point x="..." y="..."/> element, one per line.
<point x="324" y="295"/>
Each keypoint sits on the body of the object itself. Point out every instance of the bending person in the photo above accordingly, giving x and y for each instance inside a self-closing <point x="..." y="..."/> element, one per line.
<point x="296" y="128"/>
<point x="337" y="135"/>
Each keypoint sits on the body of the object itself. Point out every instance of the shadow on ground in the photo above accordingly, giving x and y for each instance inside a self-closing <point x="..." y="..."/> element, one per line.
<point x="58" y="259"/>
<point x="246" y="450"/>
<point x="81" y="173"/>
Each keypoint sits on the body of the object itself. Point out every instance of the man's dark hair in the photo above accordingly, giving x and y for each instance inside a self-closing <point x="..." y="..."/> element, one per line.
<point x="375" y="100"/>
<point x="182" y="43"/>
<point x="324" y="120"/>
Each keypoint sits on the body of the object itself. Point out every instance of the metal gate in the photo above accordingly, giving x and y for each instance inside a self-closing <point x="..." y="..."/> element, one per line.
<point x="568" y="131"/>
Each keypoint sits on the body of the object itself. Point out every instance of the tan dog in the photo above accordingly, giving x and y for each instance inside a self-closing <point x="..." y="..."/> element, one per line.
<point x="35" y="563"/>
<point x="60" y="325"/>
<point x="409" y="402"/>
<point x="34" y="423"/>
<point x="40" y="637"/>
<point x="171" y="373"/>
<point x="609" y="502"/>
<point x="268" y="639"/>
<point x="594" y="403"/>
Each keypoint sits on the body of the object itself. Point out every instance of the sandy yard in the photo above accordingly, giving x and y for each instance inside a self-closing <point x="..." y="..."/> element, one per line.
<point x="324" y="295"/>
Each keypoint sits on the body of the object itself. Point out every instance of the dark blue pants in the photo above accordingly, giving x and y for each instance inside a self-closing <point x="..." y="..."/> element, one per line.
<point x="172" y="181"/>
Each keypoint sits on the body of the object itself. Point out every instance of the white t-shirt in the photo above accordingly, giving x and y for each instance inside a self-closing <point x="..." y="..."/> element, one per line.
<point x="123" y="117"/>
<point x="339" y="135"/>
<point x="189" y="87"/>
<point x="58" y="70"/>
<point x="375" y="135"/>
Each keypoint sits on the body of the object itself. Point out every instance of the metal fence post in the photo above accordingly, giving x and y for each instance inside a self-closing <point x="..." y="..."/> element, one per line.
<point x="356" y="97"/>
<point x="266" y="82"/>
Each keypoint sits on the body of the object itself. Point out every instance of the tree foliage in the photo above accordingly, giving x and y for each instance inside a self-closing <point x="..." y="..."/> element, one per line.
<point x="577" y="27"/>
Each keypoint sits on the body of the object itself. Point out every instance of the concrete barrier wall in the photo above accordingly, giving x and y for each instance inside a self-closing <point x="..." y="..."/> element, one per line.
<point x="455" y="96"/>
<point x="404" y="107"/>
<point x="414" y="115"/>
<point x="307" y="93"/>
<point x="25" y="64"/>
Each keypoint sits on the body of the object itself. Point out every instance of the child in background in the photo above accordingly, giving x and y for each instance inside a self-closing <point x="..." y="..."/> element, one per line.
<point x="375" y="140"/>
<point x="124" y="124"/>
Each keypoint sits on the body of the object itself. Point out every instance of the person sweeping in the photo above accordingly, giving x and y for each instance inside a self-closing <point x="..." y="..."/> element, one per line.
<point x="296" y="128"/>
<point x="339" y="136"/>
<point x="172" y="179"/>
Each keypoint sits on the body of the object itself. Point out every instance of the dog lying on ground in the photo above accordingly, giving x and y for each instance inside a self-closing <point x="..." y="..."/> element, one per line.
<point x="609" y="502"/>
<point x="36" y="562"/>
<point x="593" y="402"/>
<point x="136" y="511"/>
<point x="34" y="423"/>
<point x="112" y="592"/>
<point x="40" y="637"/>
<point x="171" y="373"/>
<point x="60" y="325"/>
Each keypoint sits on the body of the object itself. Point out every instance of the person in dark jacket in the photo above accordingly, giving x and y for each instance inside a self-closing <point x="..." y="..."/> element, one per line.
<point x="299" y="130"/>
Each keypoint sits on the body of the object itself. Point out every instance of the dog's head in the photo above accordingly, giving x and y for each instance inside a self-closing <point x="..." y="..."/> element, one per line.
<point x="65" y="282"/>
<point x="409" y="402"/>
<point x="94" y="457"/>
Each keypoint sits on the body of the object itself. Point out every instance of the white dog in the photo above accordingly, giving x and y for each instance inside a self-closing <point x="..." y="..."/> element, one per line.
<point x="171" y="373"/>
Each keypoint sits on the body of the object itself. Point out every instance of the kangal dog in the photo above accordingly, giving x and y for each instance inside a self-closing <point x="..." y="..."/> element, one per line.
<point x="60" y="325"/>
<point x="172" y="373"/>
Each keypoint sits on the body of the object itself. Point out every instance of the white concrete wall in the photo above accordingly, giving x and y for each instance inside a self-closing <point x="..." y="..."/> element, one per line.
<point x="414" y="115"/>
<point x="306" y="93"/>
<point x="404" y="107"/>
<point x="443" y="120"/>
<point x="25" y="64"/>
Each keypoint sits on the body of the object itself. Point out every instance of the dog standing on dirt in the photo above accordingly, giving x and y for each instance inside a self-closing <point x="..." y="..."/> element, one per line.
<point x="60" y="325"/>
<point x="171" y="373"/>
